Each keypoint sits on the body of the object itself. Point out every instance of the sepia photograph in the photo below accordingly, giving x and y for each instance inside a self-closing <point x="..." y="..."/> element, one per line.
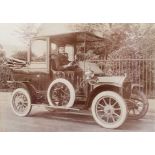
<point x="77" y="77"/>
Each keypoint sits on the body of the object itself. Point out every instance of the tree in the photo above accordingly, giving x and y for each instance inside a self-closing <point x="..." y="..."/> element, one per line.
<point x="112" y="33"/>
<point x="127" y="42"/>
<point x="5" y="72"/>
<point x="27" y="31"/>
<point x="138" y="50"/>
<point x="2" y="54"/>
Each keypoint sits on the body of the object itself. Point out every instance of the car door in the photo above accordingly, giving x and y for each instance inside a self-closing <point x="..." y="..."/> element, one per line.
<point x="38" y="69"/>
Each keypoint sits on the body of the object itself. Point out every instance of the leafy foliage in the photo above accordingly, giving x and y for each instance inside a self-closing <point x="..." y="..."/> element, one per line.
<point x="22" y="55"/>
<point x="5" y="75"/>
<point x="27" y="31"/>
<point x="2" y="54"/>
<point x="127" y="49"/>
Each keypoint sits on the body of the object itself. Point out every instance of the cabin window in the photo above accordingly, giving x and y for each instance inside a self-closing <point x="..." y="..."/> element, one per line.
<point x="38" y="51"/>
<point x="69" y="49"/>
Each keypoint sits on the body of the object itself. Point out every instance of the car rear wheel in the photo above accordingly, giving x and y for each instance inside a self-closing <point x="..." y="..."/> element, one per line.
<point x="109" y="109"/>
<point x="21" y="102"/>
<point x="61" y="93"/>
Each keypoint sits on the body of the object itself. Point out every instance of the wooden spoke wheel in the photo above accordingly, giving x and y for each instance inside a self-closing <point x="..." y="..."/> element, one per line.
<point x="21" y="102"/>
<point x="137" y="105"/>
<point x="109" y="109"/>
<point x="61" y="93"/>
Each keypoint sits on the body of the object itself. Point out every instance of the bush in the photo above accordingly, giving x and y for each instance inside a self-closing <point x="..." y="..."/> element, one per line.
<point x="5" y="75"/>
<point x="22" y="55"/>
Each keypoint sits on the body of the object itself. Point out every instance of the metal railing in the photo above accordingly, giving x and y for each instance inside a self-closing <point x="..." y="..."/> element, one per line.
<point x="140" y="71"/>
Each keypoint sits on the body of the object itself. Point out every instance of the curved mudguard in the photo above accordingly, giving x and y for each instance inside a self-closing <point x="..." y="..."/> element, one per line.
<point x="35" y="94"/>
<point x="135" y="86"/>
<point x="111" y="80"/>
<point x="23" y="84"/>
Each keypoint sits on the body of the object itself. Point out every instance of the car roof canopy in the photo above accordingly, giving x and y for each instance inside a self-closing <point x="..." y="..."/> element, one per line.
<point x="74" y="37"/>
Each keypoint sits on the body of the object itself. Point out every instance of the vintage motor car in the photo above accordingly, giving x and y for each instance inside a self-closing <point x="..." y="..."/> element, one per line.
<point x="82" y="88"/>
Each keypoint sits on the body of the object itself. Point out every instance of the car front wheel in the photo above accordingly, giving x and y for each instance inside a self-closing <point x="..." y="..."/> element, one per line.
<point x="109" y="109"/>
<point x="137" y="105"/>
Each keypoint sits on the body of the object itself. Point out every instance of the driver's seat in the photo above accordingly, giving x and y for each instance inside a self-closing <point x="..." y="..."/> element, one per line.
<point x="69" y="75"/>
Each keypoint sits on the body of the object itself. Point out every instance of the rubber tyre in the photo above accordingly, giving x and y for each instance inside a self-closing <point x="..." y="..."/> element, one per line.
<point x="121" y="103"/>
<point x="27" y="96"/>
<point x="145" y="106"/>
<point x="71" y="92"/>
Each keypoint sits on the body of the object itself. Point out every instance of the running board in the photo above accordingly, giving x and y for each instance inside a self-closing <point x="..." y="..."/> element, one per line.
<point x="59" y="108"/>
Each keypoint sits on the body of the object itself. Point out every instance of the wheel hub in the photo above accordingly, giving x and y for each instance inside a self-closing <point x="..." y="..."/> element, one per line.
<point x="59" y="94"/>
<point x="20" y="100"/>
<point x="109" y="110"/>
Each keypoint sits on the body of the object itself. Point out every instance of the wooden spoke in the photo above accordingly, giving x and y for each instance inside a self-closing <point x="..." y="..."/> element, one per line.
<point x="116" y="109"/>
<point x="101" y="105"/>
<point x="116" y="114"/>
<point x="114" y="104"/>
<point x="107" y="118"/>
<point x="113" y="119"/>
<point x="105" y="101"/>
<point x="103" y="115"/>
<point x="109" y="100"/>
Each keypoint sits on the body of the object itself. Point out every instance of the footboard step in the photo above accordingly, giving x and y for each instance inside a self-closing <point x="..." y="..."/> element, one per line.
<point x="58" y="107"/>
